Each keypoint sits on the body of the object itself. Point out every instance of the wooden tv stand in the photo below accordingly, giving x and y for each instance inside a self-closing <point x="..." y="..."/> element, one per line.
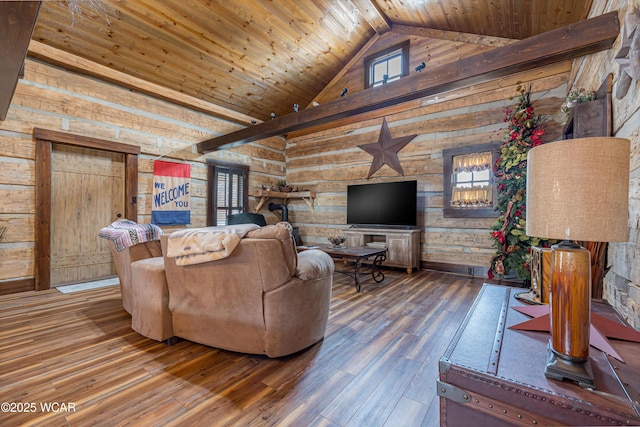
<point x="403" y="245"/>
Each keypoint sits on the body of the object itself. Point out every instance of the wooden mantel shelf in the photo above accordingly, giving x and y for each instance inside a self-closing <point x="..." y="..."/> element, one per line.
<point x="265" y="195"/>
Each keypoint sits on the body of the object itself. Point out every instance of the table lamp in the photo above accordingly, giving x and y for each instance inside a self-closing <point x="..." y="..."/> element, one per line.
<point x="577" y="190"/>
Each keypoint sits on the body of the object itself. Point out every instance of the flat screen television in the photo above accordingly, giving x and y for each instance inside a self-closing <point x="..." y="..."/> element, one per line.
<point x="390" y="204"/>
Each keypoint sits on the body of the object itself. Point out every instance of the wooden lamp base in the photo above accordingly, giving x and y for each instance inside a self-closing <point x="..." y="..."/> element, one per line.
<point x="560" y="368"/>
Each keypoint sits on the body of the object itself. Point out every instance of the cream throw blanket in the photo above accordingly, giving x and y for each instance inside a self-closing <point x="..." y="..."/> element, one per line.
<point x="199" y="245"/>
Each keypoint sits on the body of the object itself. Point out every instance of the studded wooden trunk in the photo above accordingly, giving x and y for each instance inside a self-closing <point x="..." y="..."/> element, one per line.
<point x="492" y="375"/>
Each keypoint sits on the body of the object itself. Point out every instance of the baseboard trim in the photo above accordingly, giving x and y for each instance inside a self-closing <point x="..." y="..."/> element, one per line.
<point x="466" y="270"/>
<point x="18" y="285"/>
<point x="470" y="271"/>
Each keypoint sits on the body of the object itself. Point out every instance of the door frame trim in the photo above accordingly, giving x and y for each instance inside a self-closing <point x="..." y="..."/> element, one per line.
<point x="44" y="143"/>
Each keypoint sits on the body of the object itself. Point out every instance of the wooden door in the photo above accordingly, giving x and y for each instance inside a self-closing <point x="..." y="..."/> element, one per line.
<point x="87" y="193"/>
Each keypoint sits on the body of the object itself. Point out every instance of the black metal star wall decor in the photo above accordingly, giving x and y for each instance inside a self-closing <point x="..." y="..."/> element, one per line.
<point x="385" y="151"/>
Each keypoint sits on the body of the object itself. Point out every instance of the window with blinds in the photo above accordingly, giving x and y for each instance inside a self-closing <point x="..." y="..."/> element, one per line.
<point x="229" y="191"/>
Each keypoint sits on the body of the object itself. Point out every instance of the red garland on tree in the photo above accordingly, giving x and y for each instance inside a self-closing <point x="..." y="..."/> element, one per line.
<point x="523" y="132"/>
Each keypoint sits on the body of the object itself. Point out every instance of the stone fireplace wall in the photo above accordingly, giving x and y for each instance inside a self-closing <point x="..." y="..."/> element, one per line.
<point x="622" y="282"/>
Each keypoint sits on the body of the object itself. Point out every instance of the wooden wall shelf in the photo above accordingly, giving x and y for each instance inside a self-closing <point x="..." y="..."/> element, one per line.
<point x="592" y="118"/>
<point x="265" y="195"/>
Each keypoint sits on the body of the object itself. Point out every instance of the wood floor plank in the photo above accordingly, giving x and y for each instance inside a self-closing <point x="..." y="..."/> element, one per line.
<point x="406" y="409"/>
<point x="320" y="392"/>
<point x="376" y="409"/>
<point x="376" y="366"/>
<point x="352" y="397"/>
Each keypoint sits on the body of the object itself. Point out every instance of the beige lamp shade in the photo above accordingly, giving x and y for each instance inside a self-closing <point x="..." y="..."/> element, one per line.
<point x="578" y="189"/>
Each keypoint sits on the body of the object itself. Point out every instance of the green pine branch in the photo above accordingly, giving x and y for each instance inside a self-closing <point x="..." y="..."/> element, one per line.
<point x="523" y="132"/>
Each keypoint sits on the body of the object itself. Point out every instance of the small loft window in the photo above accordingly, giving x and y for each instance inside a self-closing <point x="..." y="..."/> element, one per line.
<point x="386" y="69"/>
<point x="469" y="187"/>
<point x="387" y="66"/>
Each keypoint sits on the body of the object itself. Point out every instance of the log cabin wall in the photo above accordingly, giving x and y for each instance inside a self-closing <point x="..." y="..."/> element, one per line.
<point x="52" y="98"/>
<point x="622" y="283"/>
<point x="325" y="160"/>
<point x="329" y="160"/>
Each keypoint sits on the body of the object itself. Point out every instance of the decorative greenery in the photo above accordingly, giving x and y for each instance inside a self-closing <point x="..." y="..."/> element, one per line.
<point x="524" y="130"/>
<point x="283" y="186"/>
<point x="575" y="96"/>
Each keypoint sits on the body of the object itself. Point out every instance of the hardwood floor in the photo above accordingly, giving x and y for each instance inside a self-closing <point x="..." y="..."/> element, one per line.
<point x="377" y="365"/>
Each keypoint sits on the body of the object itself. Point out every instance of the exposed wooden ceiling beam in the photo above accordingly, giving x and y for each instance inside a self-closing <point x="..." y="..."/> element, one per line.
<point x="581" y="38"/>
<point x="479" y="89"/>
<point x="374" y="16"/>
<point x="17" y="20"/>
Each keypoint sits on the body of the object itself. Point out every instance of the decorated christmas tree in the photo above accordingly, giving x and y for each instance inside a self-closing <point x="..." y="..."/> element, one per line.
<point x="524" y="130"/>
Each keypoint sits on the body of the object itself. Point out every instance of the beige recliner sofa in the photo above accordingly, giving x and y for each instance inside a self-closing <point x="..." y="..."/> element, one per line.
<point x="264" y="298"/>
<point x="122" y="261"/>
<point x="139" y="244"/>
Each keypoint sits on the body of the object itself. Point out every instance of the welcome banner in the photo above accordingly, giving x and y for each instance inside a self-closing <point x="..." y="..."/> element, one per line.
<point x="171" y="193"/>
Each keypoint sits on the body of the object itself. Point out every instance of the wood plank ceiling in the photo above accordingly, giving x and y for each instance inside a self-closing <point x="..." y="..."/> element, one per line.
<point x="255" y="57"/>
